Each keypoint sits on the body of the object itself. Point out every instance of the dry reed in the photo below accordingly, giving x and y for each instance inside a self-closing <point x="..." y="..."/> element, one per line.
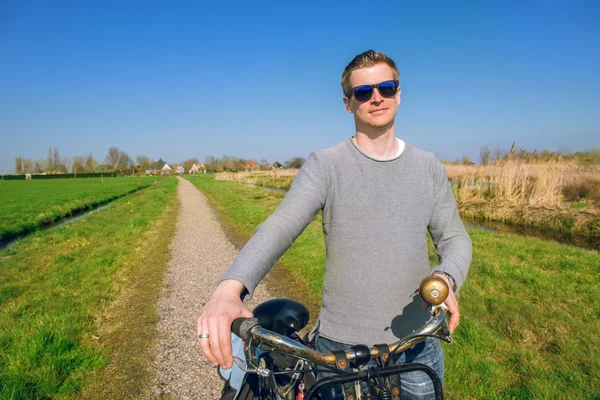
<point x="281" y="178"/>
<point x="528" y="194"/>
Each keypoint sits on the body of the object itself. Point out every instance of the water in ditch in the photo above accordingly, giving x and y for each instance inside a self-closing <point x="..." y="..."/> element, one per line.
<point x="62" y="222"/>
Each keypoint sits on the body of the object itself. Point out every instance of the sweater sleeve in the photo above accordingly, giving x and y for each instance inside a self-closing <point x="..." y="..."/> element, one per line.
<point x="451" y="241"/>
<point x="273" y="237"/>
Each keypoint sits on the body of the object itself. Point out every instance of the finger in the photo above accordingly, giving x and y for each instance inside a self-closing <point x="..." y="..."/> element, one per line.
<point x="454" y="319"/>
<point x="454" y="314"/>
<point x="205" y="343"/>
<point x="225" y="342"/>
<point x="215" y="341"/>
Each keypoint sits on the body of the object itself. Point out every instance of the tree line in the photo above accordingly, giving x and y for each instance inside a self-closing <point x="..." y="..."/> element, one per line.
<point x="117" y="160"/>
<point x="229" y="163"/>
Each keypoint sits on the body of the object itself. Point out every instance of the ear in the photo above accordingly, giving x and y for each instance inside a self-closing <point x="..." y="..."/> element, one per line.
<point x="398" y="96"/>
<point x="347" y="104"/>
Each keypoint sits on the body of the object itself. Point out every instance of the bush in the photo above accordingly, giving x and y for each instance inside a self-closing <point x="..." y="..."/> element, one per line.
<point x="13" y="177"/>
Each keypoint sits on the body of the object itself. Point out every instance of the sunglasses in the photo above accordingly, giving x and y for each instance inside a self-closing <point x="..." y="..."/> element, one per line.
<point x="365" y="92"/>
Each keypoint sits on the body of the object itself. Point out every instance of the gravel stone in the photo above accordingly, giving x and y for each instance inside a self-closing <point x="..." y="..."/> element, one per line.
<point x="200" y="254"/>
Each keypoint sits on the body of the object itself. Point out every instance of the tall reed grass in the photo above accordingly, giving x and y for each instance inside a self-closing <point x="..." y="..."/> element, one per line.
<point x="513" y="183"/>
<point x="549" y="184"/>
<point x="530" y="194"/>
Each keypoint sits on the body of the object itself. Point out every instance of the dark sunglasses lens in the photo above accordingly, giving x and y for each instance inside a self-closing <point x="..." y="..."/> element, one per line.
<point x="388" y="88"/>
<point x="363" y="93"/>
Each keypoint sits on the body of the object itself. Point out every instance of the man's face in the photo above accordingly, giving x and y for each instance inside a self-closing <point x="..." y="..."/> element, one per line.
<point x="379" y="111"/>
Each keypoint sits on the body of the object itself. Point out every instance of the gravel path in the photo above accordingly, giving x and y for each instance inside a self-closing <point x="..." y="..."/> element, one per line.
<point x="201" y="253"/>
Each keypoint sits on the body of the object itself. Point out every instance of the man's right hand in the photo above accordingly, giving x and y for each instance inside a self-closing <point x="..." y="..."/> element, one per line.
<point x="223" y="307"/>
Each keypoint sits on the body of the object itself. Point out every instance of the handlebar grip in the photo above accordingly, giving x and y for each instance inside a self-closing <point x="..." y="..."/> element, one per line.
<point x="242" y="327"/>
<point x="236" y="325"/>
<point x="434" y="290"/>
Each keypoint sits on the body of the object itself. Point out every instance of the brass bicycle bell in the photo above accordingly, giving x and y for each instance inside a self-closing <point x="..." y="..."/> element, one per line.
<point x="433" y="290"/>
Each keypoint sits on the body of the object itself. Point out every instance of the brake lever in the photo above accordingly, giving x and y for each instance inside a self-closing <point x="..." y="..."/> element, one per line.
<point x="244" y="367"/>
<point x="445" y="330"/>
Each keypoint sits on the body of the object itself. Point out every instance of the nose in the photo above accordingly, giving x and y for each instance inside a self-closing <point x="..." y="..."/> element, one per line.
<point x="377" y="97"/>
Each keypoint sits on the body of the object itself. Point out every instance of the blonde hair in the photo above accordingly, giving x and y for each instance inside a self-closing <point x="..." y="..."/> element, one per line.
<point x="364" y="60"/>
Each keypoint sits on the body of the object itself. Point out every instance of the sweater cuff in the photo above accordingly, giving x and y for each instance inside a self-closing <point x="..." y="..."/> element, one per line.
<point x="449" y="277"/>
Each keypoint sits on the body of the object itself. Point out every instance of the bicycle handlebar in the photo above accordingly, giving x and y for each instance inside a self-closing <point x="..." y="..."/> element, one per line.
<point x="433" y="289"/>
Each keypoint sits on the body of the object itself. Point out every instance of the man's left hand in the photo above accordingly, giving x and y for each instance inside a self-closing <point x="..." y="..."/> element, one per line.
<point x="452" y="305"/>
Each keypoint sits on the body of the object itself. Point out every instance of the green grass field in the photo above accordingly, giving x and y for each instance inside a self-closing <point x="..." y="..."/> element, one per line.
<point x="28" y="205"/>
<point x="78" y="302"/>
<point x="530" y="310"/>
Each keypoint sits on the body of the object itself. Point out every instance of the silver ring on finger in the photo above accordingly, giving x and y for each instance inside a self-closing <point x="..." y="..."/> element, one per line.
<point x="203" y="336"/>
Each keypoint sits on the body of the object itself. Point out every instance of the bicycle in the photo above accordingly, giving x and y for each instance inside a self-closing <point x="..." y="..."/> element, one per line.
<point x="280" y="365"/>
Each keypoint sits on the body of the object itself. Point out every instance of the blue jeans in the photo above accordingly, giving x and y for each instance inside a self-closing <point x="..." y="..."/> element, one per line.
<point x="416" y="385"/>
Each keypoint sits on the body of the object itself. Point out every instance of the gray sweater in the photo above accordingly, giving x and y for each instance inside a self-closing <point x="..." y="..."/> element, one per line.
<point x="375" y="218"/>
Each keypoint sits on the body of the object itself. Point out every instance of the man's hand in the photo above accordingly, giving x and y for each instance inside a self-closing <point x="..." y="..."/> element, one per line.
<point x="452" y="304"/>
<point x="224" y="306"/>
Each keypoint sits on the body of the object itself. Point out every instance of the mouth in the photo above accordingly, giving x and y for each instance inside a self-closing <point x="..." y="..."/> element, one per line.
<point x="378" y="111"/>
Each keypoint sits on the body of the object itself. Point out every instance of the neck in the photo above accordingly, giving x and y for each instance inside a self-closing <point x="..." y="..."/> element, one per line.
<point x="379" y="144"/>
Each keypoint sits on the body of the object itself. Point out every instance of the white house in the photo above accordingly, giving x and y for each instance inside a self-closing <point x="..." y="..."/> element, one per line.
<point x="178" y="169"/>
<point x="198" y="169"/>
<point x="165" y="170"/>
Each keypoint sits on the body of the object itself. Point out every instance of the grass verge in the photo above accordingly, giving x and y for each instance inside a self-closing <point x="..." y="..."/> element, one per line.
<point x="529" y="309"/>
<point x="30" y="205"/>
<point x="78" y="302"/>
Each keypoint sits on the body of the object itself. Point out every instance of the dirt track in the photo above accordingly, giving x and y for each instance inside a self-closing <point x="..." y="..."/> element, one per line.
<point x="201" y="253"/>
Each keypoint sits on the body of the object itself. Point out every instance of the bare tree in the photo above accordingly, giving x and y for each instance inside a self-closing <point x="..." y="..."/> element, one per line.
<point x="56" y="160"/>
<point x="124" y="162"/>
<point x="27" y="166"/>
<point x="78" y="164"/>
<point x="64" y="164"/>
<point x="113" y="158"/>
<point x="143" y="162"/>
<point x="497" y="154"/>
<point x="39" y="165"/>
<point x="484" y="155"/>
<point x="211" y="163"/>
<point x="466" y="160"/>
<point x="49" y="160"/>
<point x="90" y="163"/>
<point x="19" y="165"/>
<point x="295" y="162"/>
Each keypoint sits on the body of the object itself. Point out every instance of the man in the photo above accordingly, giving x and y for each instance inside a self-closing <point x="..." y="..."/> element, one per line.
<point x="379" y="197"/>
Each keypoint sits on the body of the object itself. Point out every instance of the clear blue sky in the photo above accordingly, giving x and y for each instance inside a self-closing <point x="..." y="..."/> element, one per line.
<point x="257" y="79"/>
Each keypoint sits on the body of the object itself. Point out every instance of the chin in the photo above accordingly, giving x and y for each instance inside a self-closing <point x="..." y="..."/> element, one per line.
<point x="381" y="123"/>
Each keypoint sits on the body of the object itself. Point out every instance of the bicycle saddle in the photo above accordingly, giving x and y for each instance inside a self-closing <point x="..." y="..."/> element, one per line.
<point x="283" y="316"/>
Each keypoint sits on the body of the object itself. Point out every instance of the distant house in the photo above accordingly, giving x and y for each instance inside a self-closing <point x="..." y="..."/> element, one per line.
<point x="277" y="165"/>
<point x="166" y="170"/>
<point x="156" y="168"/>
<point x="178" y="169"/>
<point x="197" y="169"/>
<point x="266" y="166"/>
<point x="252" y="166"/>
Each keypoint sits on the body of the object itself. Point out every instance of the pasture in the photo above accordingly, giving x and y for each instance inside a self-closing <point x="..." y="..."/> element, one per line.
<point x="28" y="205"/>
<point x="78" y="301"/>
<point x="529" y="309"/>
